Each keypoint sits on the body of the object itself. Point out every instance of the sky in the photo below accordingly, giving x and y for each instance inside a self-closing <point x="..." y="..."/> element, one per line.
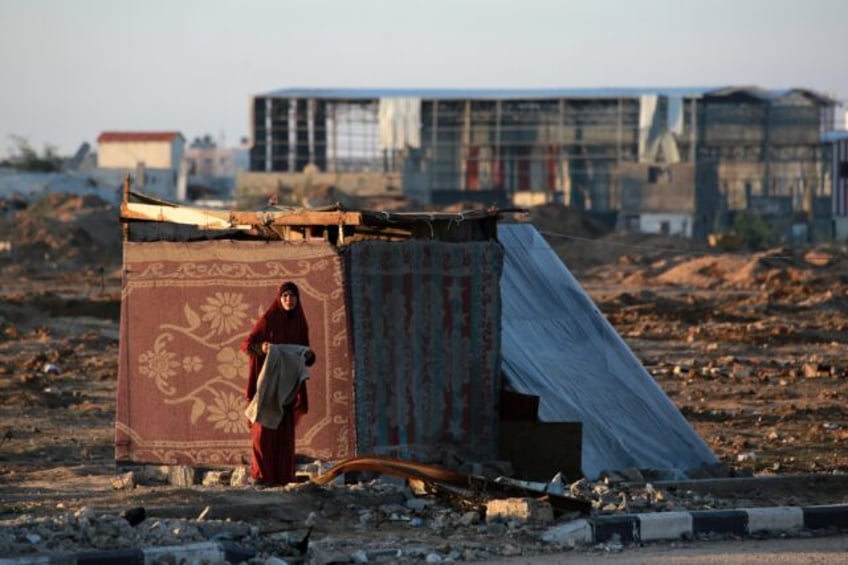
<point x="70" y="69"/>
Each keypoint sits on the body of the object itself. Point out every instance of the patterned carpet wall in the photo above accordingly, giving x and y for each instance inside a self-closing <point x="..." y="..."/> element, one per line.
<point x="425" y="322"/>
<point x="186" y="307"/>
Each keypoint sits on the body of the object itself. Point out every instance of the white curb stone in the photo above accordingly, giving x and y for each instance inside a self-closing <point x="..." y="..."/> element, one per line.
<point x="665" y="525"/>
<point x="777" y="519"/>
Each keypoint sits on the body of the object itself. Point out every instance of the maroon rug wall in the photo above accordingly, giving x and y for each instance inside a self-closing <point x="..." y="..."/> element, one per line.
<point x="186" y="308"/>
<point x="425" y="318"/>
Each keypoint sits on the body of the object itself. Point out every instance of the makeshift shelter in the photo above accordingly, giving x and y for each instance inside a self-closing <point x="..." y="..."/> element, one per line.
<point x="419" y="320"/>
<point x="404" y="315"/>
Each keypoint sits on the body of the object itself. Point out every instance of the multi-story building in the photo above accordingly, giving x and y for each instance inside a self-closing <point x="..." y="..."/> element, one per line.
<point x="676" y="160"/>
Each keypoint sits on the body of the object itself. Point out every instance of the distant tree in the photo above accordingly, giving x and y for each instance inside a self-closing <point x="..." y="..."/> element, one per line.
<point x="755" y="230"/>
<point x="25" y="158"/>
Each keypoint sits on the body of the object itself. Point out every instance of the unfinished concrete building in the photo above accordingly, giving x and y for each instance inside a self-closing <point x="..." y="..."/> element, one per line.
<point x="770" y="155"/>
<point x="672" y="160"/>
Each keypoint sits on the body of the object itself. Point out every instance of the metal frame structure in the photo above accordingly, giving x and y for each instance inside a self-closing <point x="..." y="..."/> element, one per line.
<point x="568" y="143"/>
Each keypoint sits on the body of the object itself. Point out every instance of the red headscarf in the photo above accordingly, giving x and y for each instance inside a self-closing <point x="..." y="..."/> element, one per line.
<point x="275" y="326"/>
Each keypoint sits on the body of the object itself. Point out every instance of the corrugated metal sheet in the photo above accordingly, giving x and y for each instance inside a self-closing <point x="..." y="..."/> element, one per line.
<point x="425" y="317"/>
<point x="556" y="344"/>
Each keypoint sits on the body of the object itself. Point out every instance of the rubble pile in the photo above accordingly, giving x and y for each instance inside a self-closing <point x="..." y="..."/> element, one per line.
<point x="87" y="530"/>
<point x="63" y="232"/>
<point x="380" y="520"/>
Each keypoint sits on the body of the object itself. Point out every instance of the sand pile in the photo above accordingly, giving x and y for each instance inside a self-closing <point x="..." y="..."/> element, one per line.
<point x="64" y="231"/>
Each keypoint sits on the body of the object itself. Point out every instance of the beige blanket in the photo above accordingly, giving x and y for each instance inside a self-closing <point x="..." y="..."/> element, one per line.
<point x="278" y="382"/>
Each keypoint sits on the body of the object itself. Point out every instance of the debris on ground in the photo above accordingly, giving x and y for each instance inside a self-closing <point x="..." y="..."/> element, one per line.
<point x="750" y="346"/>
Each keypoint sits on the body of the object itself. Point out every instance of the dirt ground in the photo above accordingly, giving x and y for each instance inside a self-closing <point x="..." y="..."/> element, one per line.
<point x="751" y="347"/>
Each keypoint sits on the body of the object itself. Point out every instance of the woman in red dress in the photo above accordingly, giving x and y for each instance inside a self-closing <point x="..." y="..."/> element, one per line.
<point x="273" y="459"/>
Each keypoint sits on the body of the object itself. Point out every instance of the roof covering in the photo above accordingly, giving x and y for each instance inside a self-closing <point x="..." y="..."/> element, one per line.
<point x="481" y="93"/>
<point x="542" y="93"/>
<point x="337" y="224"/>
<point x="136" y="136"/>
<point x="557" y="345"/>
<point x="770" y="95"/>
<point x="140" y="206"/>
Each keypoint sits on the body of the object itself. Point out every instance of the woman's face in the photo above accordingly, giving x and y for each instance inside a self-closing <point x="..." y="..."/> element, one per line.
<point x="288" y="300"/>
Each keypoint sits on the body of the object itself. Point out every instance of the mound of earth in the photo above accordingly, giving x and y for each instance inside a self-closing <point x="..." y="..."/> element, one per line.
<point x="64" y="231"/>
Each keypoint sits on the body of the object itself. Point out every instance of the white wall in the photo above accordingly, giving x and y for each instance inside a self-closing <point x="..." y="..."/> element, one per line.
<point x="154" y="154"/>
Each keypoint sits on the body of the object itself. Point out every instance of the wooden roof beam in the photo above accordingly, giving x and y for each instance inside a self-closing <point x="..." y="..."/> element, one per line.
<point x="226" y="219"/>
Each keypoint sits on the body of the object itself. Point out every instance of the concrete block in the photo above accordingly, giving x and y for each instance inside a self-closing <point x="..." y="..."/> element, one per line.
<point x="520" y="509"/>
<point x="182" y="476"/>
<point x="777" y="519"/>
<point x="570" y="533"/>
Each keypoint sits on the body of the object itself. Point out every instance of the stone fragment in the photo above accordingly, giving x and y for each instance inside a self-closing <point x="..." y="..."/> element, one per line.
<point x="240" y="476"/>
<point x="816" y="370"/>
<point x="510" y="550"/>
<point x="580" y="489"/>
<point x="84" y="513"/>
<point x="213" y="478"/>
<point x="311" y="519"/>
<point x="520" y="509"/>
<point x="417" y="487"/>
<point x="416" y="504"/>
<point x="470" y="518"/>
<point x="182" y="476"/>
<point x="578" y="532"/>
<point x="125" y="481"/>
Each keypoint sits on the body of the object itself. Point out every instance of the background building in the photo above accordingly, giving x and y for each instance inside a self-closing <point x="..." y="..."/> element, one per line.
<point x="838" y="151"/>
<point x="154" y="157"/>
<point x="211" y="169"/>
<point x="663" y="159"/>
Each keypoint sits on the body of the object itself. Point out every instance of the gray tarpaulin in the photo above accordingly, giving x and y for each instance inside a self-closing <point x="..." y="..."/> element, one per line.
<point x="557" y="345"/>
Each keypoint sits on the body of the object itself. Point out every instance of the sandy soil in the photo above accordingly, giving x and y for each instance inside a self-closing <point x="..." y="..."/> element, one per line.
<point x="750" y="346"/>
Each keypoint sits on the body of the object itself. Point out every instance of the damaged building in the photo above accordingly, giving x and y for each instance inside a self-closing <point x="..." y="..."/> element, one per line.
<point x="667" y="160"/>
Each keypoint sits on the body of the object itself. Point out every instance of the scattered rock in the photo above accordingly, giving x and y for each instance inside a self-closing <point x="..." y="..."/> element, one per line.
<point x="519" y="509"/>
<point x="125" y="481"/>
